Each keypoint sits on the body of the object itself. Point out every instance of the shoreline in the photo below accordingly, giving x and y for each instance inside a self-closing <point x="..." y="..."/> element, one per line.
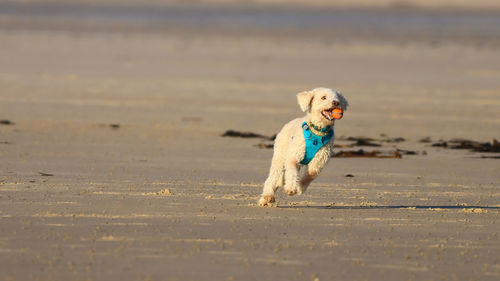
<point x="396" y="26"/>
<point x="422" y="5"/>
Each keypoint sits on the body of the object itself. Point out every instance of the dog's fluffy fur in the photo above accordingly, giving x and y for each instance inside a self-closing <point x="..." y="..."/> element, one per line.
<point x="289" y="146"/>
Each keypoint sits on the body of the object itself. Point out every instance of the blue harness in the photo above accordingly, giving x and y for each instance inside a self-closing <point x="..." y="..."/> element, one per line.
<point x="314" y="142"/>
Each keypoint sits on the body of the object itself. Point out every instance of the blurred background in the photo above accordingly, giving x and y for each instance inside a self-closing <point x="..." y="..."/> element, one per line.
<point x="428" y="65"/>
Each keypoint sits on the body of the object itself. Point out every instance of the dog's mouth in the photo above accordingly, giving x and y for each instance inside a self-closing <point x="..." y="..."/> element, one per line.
<point x="328" y="114"/>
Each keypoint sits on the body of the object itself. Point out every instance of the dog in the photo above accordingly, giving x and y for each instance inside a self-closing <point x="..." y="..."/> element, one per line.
<point x="296" y="162"/>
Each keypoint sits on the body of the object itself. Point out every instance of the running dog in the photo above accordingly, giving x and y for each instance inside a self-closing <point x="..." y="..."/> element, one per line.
<point x="304" y="145"/>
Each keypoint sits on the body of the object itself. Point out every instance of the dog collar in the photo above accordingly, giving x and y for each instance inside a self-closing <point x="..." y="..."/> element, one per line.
<point x="321" y="130"/>
<point x="314" y="142"/>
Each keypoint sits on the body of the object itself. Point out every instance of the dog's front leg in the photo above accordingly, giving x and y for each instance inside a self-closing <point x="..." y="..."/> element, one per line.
<point x="291" y="177"/>
<point x="312" y="170"/>
<point x="307" y="178"/>
<point x="272" y="183"/>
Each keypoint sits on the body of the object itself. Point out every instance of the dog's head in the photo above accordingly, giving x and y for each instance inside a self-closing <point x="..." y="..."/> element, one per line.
<point x="319" y="103"/>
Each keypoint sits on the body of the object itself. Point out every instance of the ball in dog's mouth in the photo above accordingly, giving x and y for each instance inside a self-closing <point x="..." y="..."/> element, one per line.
<point x="332" y="113"/>
<point x="328" y="114"/>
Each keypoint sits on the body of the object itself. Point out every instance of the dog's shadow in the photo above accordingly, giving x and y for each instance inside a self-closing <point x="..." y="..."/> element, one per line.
<point x="410" y="207"/>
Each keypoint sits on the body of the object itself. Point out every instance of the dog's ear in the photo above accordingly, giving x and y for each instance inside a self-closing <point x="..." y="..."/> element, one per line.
<point x="305" y="99"/>
<point x="343" y="101"/>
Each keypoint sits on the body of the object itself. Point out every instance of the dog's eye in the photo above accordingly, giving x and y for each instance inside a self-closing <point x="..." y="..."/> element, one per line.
<point x="323" y="97"/>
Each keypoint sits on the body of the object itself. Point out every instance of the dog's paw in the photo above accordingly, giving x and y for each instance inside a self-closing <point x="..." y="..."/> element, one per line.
<point x="266" y="199"/>
<point x="290" y="191"/>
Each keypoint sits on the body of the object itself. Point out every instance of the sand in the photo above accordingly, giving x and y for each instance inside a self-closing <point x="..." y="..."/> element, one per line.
<point x="114" y="167"/>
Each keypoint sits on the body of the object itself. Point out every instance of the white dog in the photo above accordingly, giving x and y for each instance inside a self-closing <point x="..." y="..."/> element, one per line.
<point x="304" y="145"/>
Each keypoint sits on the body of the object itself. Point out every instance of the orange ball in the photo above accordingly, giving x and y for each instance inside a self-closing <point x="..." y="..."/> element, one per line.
<point x="337" y="113"/>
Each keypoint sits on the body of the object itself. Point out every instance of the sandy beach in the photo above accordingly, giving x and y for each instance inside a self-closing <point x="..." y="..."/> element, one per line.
<point x="113" y="167"/>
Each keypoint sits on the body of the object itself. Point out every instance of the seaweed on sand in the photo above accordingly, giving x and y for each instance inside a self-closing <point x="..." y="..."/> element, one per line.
<point x="476" y="146"/>
<point x="238" y="134"/>
<point x="367" y="154"/>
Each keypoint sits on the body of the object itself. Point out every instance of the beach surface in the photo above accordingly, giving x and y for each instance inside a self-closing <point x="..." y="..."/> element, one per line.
<point x="113" y="167"/>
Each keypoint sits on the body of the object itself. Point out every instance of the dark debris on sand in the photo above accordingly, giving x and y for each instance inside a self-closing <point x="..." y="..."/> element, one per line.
<point x="408" y="152"/>
<point x="265" y="145"/>
<point x="365" y="141"/>
<point x="490" y="157"/>
<point x="493" y="146"/>
<point x="476" y="146"/>
<point x="425" y="140"/>
<point x="367" y="154"/>
<point x="358" y="141"/>
<point x="398" y="139"/>
<point x="387" y="139"/>
<point x="113" y="126"/>
<point x="238" y="134"/>
<point x="6" y="122"/>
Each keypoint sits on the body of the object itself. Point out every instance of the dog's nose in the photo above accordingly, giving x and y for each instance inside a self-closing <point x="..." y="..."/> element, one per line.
<point x="336" y="103"/>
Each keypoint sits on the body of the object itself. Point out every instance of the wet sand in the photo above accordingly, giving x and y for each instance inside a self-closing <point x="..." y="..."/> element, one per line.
<point x="114" y="167"/>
